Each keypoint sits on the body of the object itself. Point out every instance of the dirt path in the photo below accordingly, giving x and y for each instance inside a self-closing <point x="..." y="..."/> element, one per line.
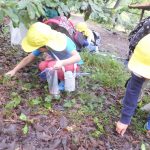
<point x="114" y="42"/>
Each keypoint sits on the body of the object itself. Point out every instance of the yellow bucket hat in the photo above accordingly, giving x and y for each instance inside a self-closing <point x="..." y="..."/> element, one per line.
<point x="88" y="32"/>
<point x="81" y="26"/>
<point x="140" y="60"/>
<point x="40" y="34"/>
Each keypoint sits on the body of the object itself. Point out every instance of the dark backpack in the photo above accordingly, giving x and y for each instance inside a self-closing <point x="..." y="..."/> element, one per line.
<point x="80" y="40"/>
<point x="141" y="30"/>
<point x="97" y="38"/>
<point x="63" y="25"/>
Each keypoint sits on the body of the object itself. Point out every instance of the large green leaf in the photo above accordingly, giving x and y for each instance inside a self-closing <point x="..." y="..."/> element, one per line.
<point x="1" y="15"/>
<point x="23" y="117"/>
<point x="9" y="12"/>
<point x="35" y="9"/>
<point x="51" y="4"/>
<point x="40" y="9"/>
<point x="24" y="17"/>
<point x="65" y="10"/>
<point x="25" y="129"/>
<point x="60" y="11"/>
<point x="22" y="4"/>
<point x="31" y="11"/>
<point x="11" y="4"/>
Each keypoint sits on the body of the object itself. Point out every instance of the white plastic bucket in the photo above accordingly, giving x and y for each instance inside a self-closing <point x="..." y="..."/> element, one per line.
<point x="69" y="81"/>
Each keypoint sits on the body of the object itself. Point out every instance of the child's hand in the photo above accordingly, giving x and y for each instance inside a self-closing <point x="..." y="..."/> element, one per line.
<point x="48" y="57"/>
<point x="11" y="73"/>
<point x="58" y="65"/>
<point x="121" y="128"/>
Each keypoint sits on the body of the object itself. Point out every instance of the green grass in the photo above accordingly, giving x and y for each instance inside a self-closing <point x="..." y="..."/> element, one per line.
<point x="106" y="73"/>
<point x="138" y="122"/>
<point x="140" y="117"/>
<point x="104" y="70"/>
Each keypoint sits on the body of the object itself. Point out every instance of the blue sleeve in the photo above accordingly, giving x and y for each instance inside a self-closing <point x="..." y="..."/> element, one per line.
<point x="36" y="52"/>
<point x="86" y="43"/>
<point x="130" y="100"/>
<point x="70" y="45"/>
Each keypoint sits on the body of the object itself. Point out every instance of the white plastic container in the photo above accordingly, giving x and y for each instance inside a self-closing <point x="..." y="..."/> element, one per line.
<point x="69" y="81"/>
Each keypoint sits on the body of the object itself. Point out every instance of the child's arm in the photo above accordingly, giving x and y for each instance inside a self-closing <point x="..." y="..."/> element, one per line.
<point x="129" y="103"/>
<point x="73" y="59"/>
<point x="48" y="57"/>
<point x="25" y="61"/>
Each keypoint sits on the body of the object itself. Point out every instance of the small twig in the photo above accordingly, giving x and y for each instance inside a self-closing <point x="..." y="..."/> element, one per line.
<point x="13" y="121"/>
<point x="57" y="130"/>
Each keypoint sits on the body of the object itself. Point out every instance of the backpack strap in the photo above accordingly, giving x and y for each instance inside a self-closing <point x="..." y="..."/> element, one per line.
<point x="141" y="30"/>
<point x="63" y="68"/>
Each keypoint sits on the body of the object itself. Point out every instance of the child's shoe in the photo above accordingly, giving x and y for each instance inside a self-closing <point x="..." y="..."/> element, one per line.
<point x="61" y="86"/>
<point x="42" y="75"/>
<point x="147" y="125"/>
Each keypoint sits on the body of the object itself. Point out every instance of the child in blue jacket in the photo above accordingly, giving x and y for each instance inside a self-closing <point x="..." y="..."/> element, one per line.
<point x="139" y="64"/>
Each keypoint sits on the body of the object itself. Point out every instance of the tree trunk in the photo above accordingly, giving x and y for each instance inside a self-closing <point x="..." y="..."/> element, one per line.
<point x="117" y="4"/>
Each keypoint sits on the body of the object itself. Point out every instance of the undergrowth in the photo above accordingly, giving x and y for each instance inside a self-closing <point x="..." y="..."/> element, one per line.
<point x="96" y="95"/>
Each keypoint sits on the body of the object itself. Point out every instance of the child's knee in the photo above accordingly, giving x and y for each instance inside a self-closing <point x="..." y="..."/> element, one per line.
<point x="43" y="65"/>
<point x="71" y="68"/>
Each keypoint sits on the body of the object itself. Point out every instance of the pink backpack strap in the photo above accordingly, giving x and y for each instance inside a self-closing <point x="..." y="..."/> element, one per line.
<point x="49" y="21"/>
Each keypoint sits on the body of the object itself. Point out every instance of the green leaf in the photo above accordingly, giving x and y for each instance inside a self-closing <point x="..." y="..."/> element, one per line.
<point x="24" y="17"/>
<point x="48" y="98"/>
<point x="27" y="86"/>
<point x="84" y="6"/>
<point x="51" y="4"/>
<point x="60" y="11"/>
<point x="1" y="15"/>
<point x="23" y="117"/>
<point x="22" y="4"/>
<point x="40" y="9"/>
<point x="47" y="105"/>
<point x="31" y="11"/>
<point x="12" y="4"/>
<point x="6" y="79"/>
<point x="69" y="103"/>
<point x="35" y="101"/>
<point x="13" y="16"/>
<point x="64" y="9"/>
<point x="16" y="99"/>
<point x="25" y="129"/>
<point x="35" y="10"/>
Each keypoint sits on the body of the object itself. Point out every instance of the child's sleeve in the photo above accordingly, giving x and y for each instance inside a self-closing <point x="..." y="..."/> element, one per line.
<point x="36" y="53"/>
<point x="130" y="100"/>
<point x="70" y="45"/>
<point x="86" y="43"/>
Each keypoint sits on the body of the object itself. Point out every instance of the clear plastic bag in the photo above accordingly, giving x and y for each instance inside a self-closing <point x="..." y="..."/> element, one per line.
<point x="17" y="34"/>
<point x="52" y="79"/>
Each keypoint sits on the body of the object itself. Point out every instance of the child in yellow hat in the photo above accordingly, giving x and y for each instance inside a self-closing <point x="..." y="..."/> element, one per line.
<point x="139" y="64"/>
<point x="41" y="38"/>
<point x="82" y="27"/>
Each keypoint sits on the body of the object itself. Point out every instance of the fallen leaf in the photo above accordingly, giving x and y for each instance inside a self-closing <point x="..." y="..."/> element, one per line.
<point x="63" y="122"/>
